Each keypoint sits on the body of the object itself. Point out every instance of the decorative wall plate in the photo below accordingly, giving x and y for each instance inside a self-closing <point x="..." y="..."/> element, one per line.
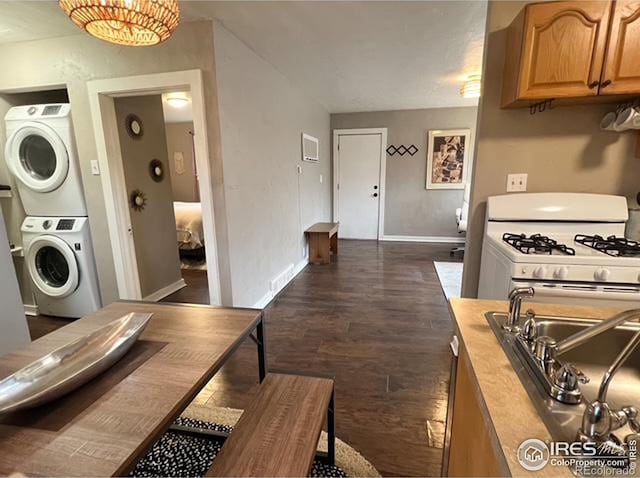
<point x="72" y="365"/>
<point x="133" y="123"/>
<point x="156" y="170"/>
<point x="138" y="200"/>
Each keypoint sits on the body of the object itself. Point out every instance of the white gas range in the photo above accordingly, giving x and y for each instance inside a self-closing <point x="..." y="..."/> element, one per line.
<point x="569" y="247"/>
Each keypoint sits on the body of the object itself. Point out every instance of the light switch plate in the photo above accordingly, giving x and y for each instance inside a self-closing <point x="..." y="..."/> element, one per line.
<point x="95" y="167"/>
<point x="517" y="182"/>
<point x="321" y="179"/>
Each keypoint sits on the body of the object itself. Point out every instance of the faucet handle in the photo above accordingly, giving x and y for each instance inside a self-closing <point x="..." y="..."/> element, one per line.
<point x="568" y="377"/>
<point x="631" y="414"/>
<point x="529" y="331"/>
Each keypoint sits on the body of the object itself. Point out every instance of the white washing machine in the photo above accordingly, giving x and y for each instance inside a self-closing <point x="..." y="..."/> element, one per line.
<point x="40" y="153"/>
<point x="61" y="264"/>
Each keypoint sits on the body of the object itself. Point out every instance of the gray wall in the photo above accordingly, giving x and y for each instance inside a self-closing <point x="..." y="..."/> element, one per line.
<point x="72" y="61"/>
<point x="562" y="149"/>
<point x="410" y="209"/>
<point x="262" y="116"/>
<point x="179" y="139"/>
<point x="154" y="227"/>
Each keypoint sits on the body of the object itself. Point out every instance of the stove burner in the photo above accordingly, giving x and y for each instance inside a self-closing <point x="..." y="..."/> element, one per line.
<point x="536" y="244"/>
<point x="612" y="245"/>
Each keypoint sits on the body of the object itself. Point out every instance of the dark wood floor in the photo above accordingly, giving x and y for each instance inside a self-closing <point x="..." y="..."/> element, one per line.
<point x="197" y="290"/>
<point x="376" y="319"/>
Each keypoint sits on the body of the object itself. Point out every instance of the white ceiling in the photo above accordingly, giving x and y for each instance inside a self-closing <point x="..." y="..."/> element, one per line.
<point x="33" y="20"/>
<point x="363" y="56"/>
<point x="350" y="56"/>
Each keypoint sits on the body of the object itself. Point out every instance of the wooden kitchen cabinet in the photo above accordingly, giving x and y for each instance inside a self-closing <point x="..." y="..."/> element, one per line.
<point x="621" y="72"/>
<point x="556" y="50"/>
<point x="472" y="445"/>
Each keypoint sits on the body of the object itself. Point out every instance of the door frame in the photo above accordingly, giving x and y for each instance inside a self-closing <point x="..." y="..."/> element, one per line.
<point x="383" y="170"/>
<point x="102" y="94"/>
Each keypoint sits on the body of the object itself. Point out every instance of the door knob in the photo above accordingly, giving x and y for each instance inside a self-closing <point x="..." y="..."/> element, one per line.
<point x="593" y="84"/>
<point x="605" y="83"/>
<point x="375" y="195"/>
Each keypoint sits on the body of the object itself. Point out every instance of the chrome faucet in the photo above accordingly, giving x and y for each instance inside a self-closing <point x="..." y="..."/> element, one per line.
<point x="566" y="378"/>
<point x="515" y="304"/>
<point x="579" y="338"/>
<point x="599" y="421"/>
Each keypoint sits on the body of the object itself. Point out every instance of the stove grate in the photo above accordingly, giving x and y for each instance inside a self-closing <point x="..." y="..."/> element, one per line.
<point x="611" y="245"/>
<point x="536" y="244"/>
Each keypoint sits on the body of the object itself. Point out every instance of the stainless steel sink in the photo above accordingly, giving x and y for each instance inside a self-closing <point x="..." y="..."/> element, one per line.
<point x="593" y="358"/>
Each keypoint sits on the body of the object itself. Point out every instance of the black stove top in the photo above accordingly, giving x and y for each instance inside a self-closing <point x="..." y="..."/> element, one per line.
<point x="536" y="244"/>
<point x="612" y="245"/>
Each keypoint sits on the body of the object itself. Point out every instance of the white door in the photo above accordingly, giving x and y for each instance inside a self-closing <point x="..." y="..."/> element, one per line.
<point x="359" y="185"/>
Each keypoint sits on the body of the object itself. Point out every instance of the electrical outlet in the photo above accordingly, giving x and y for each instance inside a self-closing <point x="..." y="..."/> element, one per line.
<point x="516" y="182"/>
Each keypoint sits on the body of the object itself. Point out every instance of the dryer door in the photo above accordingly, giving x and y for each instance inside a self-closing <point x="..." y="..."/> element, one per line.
<point x="37" y="156"/>
<point x="52" y="266"/>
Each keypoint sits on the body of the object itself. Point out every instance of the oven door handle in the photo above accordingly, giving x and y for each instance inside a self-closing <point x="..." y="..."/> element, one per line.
<point x="611" y="293"/>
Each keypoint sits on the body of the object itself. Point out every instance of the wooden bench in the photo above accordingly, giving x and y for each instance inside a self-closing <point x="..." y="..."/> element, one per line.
<point x="277" y="435"/>
<point x="323" y="240"/>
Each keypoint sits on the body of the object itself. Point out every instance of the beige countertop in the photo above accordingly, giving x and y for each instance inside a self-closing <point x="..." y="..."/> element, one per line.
<point x="509" y="411"/>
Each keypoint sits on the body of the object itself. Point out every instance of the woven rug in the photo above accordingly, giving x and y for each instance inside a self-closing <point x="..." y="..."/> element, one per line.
<point x="180" y="455"/>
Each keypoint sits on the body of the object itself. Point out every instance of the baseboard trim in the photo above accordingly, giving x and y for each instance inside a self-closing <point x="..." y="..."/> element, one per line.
<point x="269" y="296"/>
<point x="165" y="291"/>
<point x="434" y="239"/>
<point x="31" y="310"/>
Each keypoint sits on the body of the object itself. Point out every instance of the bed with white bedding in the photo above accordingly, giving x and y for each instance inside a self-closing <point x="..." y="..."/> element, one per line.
<point x="190" y="233"/>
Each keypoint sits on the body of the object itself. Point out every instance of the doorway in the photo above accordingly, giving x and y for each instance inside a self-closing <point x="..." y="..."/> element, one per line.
<point x="359" y="177"/>
<point x="120" y="202"/>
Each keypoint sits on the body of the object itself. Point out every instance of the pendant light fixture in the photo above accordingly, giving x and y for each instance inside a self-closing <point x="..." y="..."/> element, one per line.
<point x="125" y="22"/>
<point x="471" y="87"/>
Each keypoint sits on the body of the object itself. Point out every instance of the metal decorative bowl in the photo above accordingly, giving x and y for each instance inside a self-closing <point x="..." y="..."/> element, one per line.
<point x="72" y="365"/>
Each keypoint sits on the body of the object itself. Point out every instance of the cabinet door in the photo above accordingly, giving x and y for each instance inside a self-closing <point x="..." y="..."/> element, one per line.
<point x="563" y="49"/>
<point x="622" y="64"/>
<point x="471" y="449"/>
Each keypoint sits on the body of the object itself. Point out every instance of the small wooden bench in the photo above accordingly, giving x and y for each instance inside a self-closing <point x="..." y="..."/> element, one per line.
<point x="277" y="435"/>
<point x="323" y="240"/>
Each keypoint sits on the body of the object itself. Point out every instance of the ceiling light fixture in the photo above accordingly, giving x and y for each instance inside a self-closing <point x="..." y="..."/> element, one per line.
<point x="471" y="87"/>
<point x="125" y="22"/>
<point x="177" y="101"/>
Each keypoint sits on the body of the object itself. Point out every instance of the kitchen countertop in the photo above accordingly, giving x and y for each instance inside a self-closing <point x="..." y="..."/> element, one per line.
<point x="511" y="415"/>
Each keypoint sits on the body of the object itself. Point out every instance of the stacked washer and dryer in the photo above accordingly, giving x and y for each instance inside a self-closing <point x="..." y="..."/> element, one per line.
<point x="40" y="153"/>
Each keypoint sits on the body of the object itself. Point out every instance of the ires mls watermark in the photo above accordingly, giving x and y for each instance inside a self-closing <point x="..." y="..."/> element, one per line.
<point x="585" y="459"/>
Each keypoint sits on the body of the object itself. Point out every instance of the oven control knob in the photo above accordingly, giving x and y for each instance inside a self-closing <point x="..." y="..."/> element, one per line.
<point x="601" y="274"/>
<point x="539" y="272"/>
<point x="561" y="272"/>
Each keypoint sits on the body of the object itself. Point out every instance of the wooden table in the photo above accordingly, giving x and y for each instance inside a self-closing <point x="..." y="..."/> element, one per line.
<point x="323" y="240"/>
<point x="102" y="428"/>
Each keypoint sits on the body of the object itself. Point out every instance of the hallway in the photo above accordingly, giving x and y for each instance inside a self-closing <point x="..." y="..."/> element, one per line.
<point x="376" y="319"/>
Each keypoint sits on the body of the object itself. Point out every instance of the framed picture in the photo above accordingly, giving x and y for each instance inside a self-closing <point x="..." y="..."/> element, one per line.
<point x="447" y="158"/>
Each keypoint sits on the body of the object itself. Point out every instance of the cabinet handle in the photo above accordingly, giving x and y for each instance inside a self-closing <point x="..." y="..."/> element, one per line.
<point x="605" y="83"/>
<point x="593" y="84"/>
